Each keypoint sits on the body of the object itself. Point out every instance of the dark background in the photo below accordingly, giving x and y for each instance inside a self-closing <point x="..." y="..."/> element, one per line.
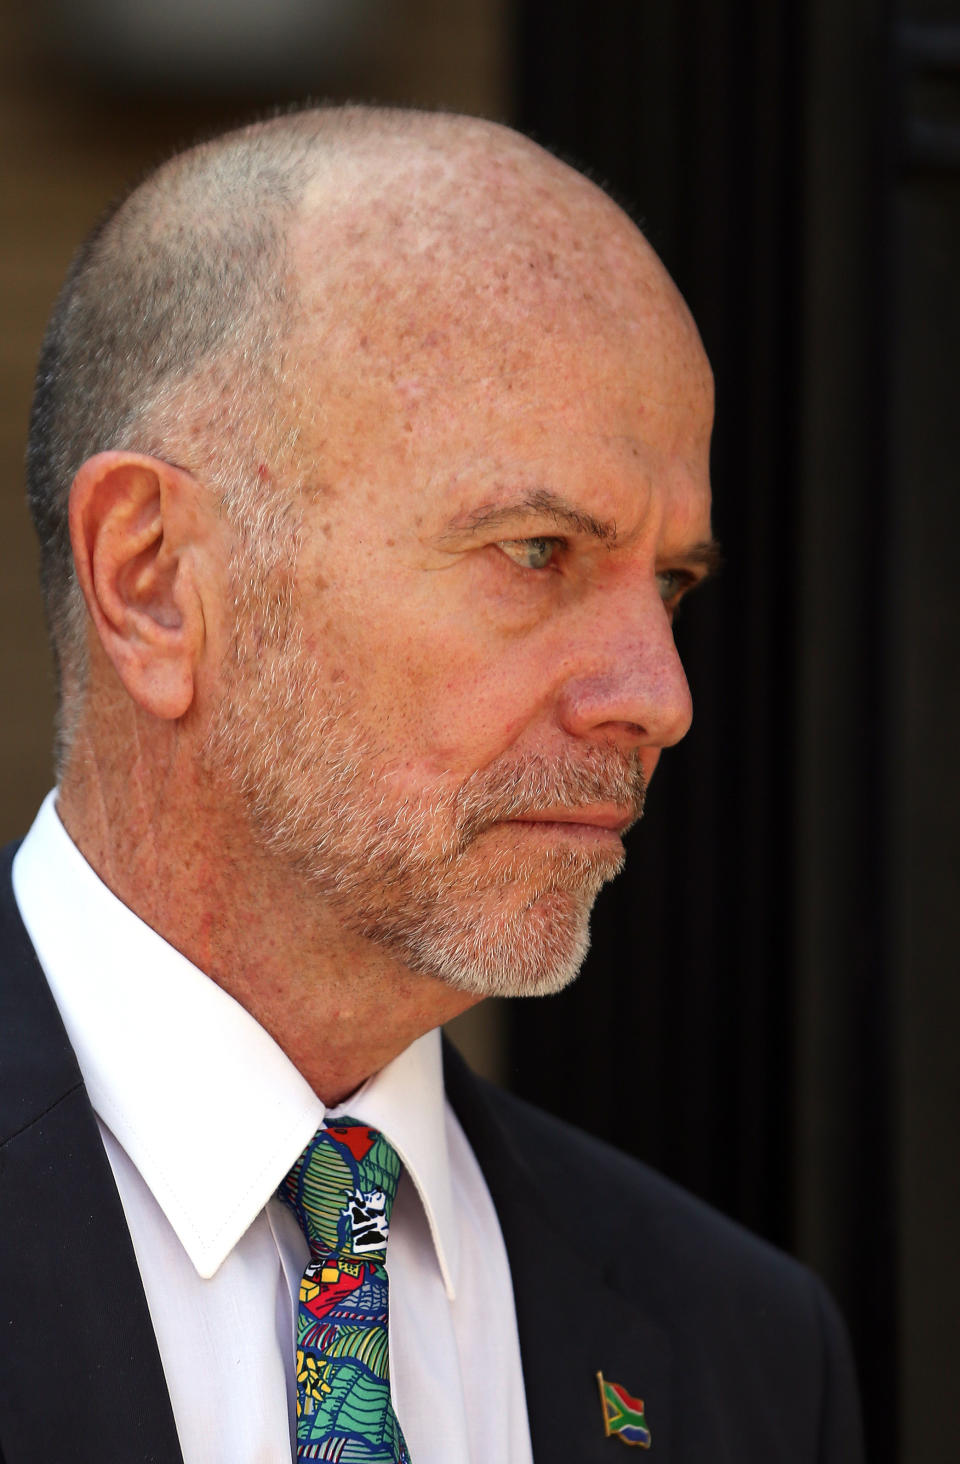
<point x="770" y="1010"/>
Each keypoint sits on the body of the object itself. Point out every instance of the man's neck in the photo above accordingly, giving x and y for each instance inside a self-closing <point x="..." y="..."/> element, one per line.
<point x="339" y="1005"/>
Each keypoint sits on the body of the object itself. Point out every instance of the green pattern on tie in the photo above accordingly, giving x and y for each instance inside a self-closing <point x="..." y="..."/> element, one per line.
<point x="341" y="1190"/>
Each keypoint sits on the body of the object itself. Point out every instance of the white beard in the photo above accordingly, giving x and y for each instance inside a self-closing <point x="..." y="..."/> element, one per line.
<point x="435" y="877"/>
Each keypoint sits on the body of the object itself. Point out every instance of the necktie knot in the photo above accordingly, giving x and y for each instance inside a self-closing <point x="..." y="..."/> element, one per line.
<point x="342" y="1190"/>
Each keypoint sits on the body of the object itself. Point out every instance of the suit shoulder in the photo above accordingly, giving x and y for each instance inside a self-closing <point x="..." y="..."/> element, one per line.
<point x="754" y="1337"/>
<point x="642" y="1213"/>
<point x="37" y="1064"/>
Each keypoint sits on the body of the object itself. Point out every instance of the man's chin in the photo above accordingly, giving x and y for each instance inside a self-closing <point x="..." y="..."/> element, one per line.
<point x="536" y="951"/>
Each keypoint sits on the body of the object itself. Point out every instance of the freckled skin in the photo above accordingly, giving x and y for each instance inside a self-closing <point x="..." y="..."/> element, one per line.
<point x="506" y="330"/>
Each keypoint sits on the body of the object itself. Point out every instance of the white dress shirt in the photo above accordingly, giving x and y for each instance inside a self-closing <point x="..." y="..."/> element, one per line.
<point x="202" y="1115"/>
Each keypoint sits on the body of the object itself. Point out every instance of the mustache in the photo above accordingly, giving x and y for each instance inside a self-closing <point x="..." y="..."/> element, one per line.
<point x="515" y="786"/>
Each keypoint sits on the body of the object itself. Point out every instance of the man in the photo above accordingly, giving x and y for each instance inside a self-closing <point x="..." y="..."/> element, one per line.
<point x="369" y="460"/>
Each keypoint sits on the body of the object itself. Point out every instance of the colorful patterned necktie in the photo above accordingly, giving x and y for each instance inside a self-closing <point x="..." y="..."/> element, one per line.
<point x="342" y="1190"/>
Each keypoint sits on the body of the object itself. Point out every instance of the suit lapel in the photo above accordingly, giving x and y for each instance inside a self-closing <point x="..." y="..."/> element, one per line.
<point x="82" y="1374"/>
<point x="572" y="1318"/>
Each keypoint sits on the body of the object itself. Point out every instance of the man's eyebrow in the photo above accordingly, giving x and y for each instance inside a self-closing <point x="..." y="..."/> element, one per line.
<point x="541" y="501"/>
<point x="707" y="554"/>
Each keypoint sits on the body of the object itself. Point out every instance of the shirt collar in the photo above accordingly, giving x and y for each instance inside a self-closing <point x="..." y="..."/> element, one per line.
<point x="405" y="1100"/>
<point x="207" y="1106"/>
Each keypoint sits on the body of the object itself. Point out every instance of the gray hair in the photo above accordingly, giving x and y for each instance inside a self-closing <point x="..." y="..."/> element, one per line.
<point x="168" y="338"/>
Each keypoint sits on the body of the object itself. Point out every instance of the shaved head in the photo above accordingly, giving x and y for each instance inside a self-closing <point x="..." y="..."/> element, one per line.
<point x="449" y="244"/>
<point x="356" y="242"/>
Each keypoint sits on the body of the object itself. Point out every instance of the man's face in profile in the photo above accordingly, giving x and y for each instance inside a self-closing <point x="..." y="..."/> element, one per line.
<point x="477" y="675"/>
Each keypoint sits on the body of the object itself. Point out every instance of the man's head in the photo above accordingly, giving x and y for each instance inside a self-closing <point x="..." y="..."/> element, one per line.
<point x="408" y="475"/>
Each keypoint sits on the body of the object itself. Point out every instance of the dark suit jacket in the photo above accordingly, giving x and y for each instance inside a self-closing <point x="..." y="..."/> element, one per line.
<point x="736" y="1351"/>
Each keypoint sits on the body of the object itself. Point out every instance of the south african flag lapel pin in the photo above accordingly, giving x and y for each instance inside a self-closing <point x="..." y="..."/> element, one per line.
<point x="623" y="1416"/>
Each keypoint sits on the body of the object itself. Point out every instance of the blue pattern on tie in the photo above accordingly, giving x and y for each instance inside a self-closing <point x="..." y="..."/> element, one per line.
<point x="342" y="1190"/>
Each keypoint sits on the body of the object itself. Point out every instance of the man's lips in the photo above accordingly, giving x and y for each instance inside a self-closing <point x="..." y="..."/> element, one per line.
<point x="595" y="816"/>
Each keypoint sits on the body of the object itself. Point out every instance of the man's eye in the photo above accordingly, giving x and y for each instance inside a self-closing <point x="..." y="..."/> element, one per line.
<point x="672" y="583"/>
<point x="530" y="553"/>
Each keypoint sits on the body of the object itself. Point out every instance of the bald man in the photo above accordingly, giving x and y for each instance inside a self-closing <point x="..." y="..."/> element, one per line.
<point x="369" y="462"/>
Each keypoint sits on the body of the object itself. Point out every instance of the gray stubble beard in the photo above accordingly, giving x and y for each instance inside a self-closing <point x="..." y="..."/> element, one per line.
<point x="410" y="873"/>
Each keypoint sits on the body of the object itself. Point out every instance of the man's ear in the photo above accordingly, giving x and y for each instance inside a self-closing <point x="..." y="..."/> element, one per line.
<point x="133" y="524"/>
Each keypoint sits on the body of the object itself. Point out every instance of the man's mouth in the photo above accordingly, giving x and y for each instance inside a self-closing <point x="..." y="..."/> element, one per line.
<point x="601" y="816"/>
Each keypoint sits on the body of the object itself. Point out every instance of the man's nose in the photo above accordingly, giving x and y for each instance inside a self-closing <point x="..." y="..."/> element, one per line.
<point x="626" y="681"/>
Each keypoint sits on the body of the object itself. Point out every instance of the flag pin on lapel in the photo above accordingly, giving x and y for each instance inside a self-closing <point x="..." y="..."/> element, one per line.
<point x="623" y="1416"/>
